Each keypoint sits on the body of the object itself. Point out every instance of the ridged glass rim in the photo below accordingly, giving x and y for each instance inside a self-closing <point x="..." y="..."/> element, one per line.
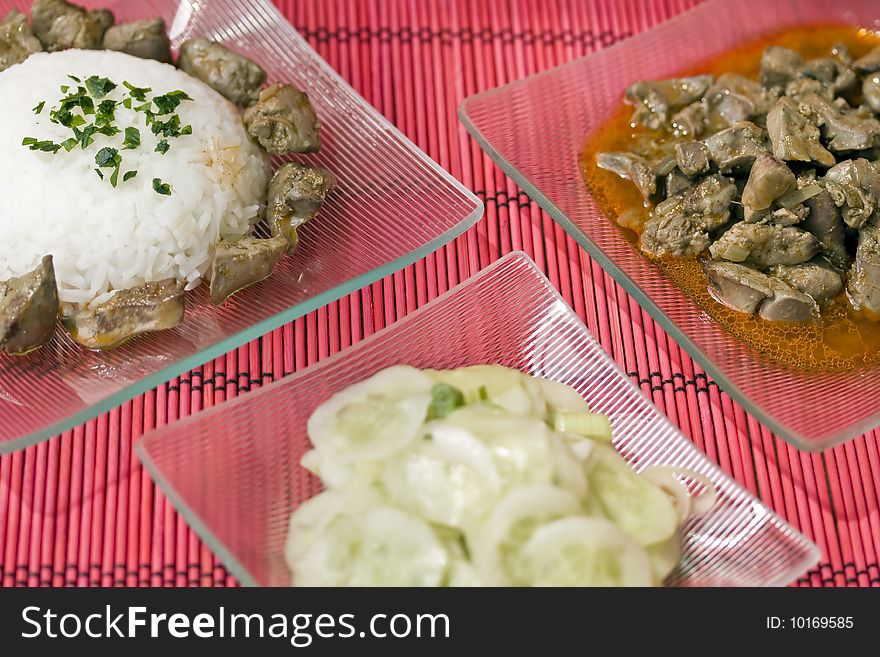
<point x="241" y="573"/>
<point x="644" y="300"/>
<point x="311" y="304"/>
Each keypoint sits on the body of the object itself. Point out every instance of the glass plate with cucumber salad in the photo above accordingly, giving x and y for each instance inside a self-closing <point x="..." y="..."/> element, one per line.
<point x="480" y="476"/>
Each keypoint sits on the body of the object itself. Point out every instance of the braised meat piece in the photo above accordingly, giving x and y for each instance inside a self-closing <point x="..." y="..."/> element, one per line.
<point x="150" y="307"/>
<point x="17" y="41"/>
<point x="765" y="245"/>
<point x="794" y="136"/>
<point x="283" y="121"/>
<point x="737" y="98"/>
<point x="864" y="277"/>
<point x="816" y="279"/>
<point x="750" y="291"/>
<point x="296" y="193"/>
<point x="736" y="148"/>
<point x="230" y="74"/>
<point x="28" y="309"/>
<point x="655" y="101"/>
<point x="825" y="223"/>
<point x="145" y="39"/>
<point x="60" y="25"/>
<point x="240" y="261"/>
<point x="681" y="224"/>
<point x="870" y="63"/>
<point x="854" y="186"/>
<point x="631" y="167"/>
<point x="768" y="180"/>
<point x="871" y="92"/>
<point x="779" y="66"/>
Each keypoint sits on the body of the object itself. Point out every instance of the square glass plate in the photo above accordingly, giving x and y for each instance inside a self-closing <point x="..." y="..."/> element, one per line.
<point x="535" y="130"/>
<point x="393" y="206"/>
<point x="233" y="471"/>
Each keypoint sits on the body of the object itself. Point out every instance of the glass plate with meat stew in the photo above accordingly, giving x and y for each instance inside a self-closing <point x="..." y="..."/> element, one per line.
<point x="730" y="185"/>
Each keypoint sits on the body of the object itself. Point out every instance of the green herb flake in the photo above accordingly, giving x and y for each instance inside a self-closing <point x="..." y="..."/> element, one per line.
<point x="132" y="139"/>
<point x="99" y="87"/>
<point x="161" y="188"/>
<point x="35" y="144"/>
<point x="39" y="108"/>
<point x="163" y="146"/>
<point x="69" y="144"/>
<point x="74" y="78"/>
<point x="186" y="130"/>
<point x="100" y="174"/>
<point x="106" y="112"/>
<point x="129" y="175"/>
<point x="107" y="157"/>
<point x="169" y="128"/>
<point x="169" y="102"/>
<point x="138" y="93"/>
<point x="65" y="88"/>
<point x="127" y="103"/>
<point x="86" y="104"/>
<point x="444" y="399"/>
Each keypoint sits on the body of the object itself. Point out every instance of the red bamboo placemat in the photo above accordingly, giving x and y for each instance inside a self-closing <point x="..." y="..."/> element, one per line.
<point x="79" y="510"/>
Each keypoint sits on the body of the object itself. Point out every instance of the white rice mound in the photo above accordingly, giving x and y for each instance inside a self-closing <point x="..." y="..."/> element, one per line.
<point x="105" y="239"/>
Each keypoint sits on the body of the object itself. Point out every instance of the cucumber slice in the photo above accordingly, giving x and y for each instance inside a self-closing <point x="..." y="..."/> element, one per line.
<point x="701" y="498"/>
<point x="463" y="574"/>
<point x="499" y="386"/>
<point x="633" y="503"/>
<point x="664" y="557"/>
<point x="594" y="426"/>
<point x="665" y="479"/>
<point x="570" y="473"/>
<point x="312" y="517"/>
<point x="580" y="447"/>
<point x="520" y="446"/>
<point x="382" y="546"/>
<point x="449" y="477"/>
<point x="497" y="543"/>
<point x="584" y="551"/>
<point x="375" y="418"/>
<point x="335" y="473"/>
<point x="561" y="398"/>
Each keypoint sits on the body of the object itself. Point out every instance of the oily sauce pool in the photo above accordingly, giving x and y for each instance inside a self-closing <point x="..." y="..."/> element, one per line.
<point x="843" y="339"/>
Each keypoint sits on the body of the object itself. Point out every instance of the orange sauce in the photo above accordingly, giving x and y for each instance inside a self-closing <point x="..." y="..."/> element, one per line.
<point x="843" y="339"/>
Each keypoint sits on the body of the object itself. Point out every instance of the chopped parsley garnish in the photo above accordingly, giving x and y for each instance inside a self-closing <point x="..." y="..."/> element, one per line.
<point x="106" y="157"/>
<point x="169" y="128"/>
<point x="169" y="102"/>
<point x="138" y="93"/>
<point x="161" y="188"/>
<point x="88" y="113"/>
<point x="109" y="158"/>
<point x="35" y="144"/>
<point x="106" y="113"/>
<point x="132" y="139"/>
<point x="99" y="87"/>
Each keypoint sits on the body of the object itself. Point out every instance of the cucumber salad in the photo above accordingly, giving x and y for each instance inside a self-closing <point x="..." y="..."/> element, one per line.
<point x="480" y="476"/>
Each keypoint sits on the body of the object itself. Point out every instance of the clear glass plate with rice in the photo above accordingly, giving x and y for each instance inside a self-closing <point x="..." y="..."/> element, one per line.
<point x="157" y="214"/>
